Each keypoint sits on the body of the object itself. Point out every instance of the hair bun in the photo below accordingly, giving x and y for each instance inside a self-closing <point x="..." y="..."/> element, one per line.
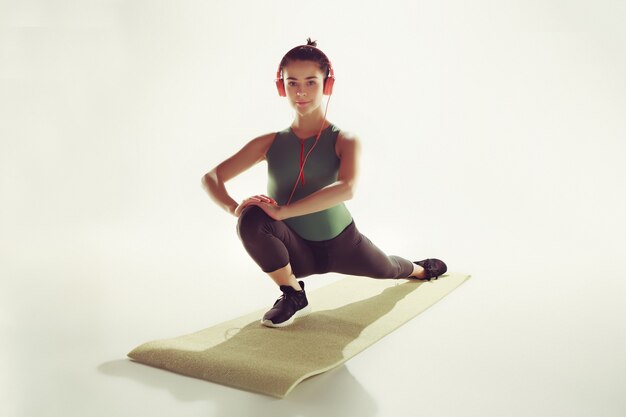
<point x="309" y="42"/>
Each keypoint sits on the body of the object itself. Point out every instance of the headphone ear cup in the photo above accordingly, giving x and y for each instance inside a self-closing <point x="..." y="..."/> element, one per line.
<point x="328" y="85"/>
<point x="280" y="85"/>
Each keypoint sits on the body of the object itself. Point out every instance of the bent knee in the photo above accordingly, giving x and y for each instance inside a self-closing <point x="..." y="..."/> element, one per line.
<point x="250" y="221"/>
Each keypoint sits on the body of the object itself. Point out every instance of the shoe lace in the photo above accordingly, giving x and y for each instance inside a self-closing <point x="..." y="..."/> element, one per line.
<point x="287" y="296"/>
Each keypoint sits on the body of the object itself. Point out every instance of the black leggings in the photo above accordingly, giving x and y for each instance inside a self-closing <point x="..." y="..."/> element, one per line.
<point x="272" y="245"/>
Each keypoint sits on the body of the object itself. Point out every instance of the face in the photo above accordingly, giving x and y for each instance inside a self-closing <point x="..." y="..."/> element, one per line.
<point x="304" y="84"/>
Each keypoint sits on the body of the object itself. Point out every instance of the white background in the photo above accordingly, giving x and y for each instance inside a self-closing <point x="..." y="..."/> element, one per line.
<point x="493" y="137"/>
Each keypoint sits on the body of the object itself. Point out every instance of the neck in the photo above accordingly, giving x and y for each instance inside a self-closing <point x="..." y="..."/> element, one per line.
<point x="309" y="122"/>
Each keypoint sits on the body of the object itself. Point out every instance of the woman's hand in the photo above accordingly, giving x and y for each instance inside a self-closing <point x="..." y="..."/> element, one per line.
<point x="273" y="210"/>
<point x="267" y="204"/>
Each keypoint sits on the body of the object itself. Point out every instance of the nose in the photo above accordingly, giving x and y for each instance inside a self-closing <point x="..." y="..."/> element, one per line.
<point x="300" y="93"/>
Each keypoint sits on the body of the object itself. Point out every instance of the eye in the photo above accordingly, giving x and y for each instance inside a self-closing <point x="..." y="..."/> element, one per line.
<point x="291" y="84"/>
<point x="311" y="82"/>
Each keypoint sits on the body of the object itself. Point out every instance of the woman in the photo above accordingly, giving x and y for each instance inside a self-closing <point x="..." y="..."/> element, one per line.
<point x="303" y="227"/>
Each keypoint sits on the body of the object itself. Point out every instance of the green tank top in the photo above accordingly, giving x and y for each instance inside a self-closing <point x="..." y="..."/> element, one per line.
<point x="320" y="170"/>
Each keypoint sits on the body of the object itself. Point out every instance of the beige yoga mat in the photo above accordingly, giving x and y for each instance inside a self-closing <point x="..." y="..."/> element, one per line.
<point x="348" y="316"/>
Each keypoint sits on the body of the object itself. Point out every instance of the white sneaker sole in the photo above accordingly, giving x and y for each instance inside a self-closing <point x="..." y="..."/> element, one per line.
<point x="300" y="313"/>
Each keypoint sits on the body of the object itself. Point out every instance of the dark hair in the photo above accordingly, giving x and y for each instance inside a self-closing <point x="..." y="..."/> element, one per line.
<point x="308" y="52"/>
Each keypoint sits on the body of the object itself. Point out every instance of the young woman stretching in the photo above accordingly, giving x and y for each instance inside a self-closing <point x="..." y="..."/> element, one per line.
<point x="302" y="226"/>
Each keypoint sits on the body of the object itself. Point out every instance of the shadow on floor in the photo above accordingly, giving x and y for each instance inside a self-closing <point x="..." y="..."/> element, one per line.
<point x="334" y="393"/>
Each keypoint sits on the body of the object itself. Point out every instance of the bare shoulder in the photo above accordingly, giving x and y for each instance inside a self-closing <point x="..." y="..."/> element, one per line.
<point x="262" y="143"/>
<point x="347" y="140"/>
<point x="265" y="139"/>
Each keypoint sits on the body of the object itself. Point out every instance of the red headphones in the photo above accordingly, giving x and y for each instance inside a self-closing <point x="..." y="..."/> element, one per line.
<point x="328" y="82"/>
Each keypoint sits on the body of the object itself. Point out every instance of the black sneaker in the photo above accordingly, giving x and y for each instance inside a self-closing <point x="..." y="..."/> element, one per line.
<point x="288" y="307"/>
<point x="433" y="268"/>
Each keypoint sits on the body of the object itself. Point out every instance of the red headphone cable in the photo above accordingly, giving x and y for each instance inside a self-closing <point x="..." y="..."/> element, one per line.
<point x="308" y="153"/>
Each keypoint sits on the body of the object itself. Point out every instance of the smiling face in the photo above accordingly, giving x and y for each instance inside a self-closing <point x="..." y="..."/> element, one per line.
<point x="304" y="84"/>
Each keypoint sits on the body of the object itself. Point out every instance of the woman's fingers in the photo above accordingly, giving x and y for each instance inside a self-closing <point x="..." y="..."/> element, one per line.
<point x="264" y="199"/>
<point x="268" y="199"/>
<point x="252" y="200"/>
<point x="245" y="203"/>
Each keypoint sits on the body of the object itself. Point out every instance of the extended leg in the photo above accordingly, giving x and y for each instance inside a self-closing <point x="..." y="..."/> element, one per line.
<point x="354" y="254"/>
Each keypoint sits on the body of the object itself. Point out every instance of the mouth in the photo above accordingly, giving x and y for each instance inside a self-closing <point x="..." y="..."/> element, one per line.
<point x="302" y="103"/>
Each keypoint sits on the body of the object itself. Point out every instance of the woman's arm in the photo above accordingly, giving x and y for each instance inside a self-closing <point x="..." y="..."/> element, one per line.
<point x="348" y="150"/>
<point x="251" y="154"/>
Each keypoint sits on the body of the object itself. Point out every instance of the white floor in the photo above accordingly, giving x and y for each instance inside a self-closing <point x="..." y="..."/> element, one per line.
<point x="499" y="147"/>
